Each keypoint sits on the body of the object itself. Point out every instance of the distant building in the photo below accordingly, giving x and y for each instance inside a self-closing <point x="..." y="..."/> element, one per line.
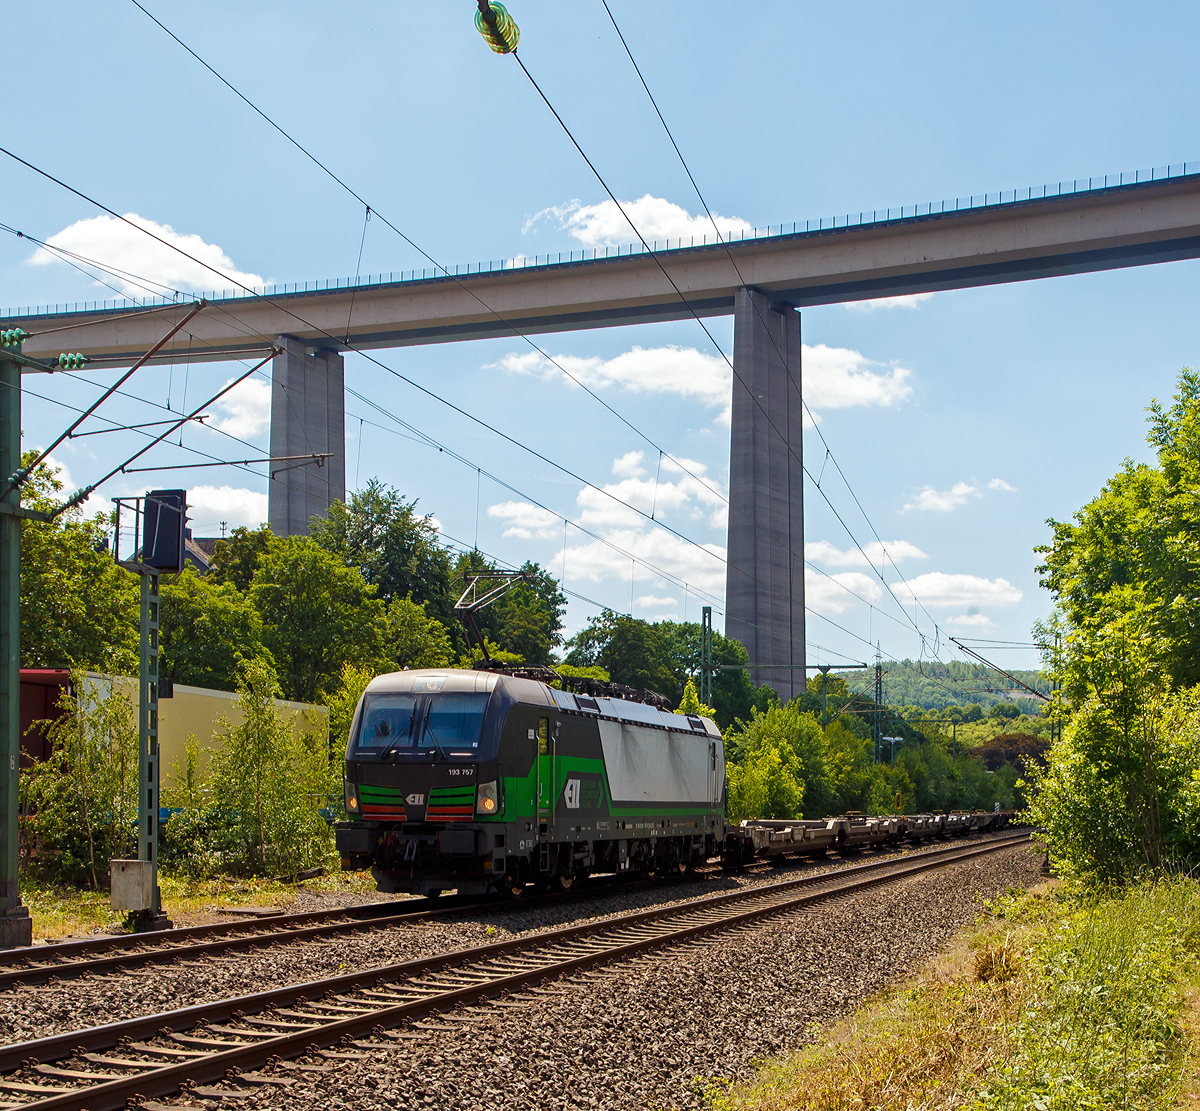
<point x="189" y="712"/>
<point x="198" y="551"/>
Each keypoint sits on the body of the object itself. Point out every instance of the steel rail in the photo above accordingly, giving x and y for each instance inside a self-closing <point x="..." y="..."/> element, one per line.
<point x="33" y="965"/>
<point x="28" y="965"/>
<point x="367" y="1002"/>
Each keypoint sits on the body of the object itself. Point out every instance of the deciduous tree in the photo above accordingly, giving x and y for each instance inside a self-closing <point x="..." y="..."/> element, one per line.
<point x="317" y="615"/>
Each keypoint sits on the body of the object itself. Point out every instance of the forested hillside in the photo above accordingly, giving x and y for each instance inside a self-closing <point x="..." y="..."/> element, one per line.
<point x="935" y="686"/>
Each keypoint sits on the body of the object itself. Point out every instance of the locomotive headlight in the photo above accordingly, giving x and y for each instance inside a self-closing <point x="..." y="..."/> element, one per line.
<point x="351" y="798"/>
<point x="487" y="799"/>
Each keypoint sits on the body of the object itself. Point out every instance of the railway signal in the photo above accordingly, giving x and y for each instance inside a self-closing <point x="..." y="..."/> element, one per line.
<point x="158" y="549"/>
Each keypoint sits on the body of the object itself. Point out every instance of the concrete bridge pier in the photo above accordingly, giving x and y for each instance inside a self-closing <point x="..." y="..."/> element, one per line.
<point x="308" y="414"/>
<point x="764" y="590"/>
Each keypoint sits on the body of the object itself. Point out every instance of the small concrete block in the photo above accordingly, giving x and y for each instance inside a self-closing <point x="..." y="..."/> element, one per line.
<point x="132" y="883"/>
<point x="16" y="928"/>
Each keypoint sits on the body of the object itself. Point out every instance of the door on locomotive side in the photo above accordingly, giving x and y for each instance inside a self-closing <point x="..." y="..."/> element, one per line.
<point x="545" y="772"/>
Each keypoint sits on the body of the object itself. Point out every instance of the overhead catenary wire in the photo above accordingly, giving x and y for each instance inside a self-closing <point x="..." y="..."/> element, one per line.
<point x="83" y="493"/>
<point x="20" y="475"/>
<point x="721" y="239"/>
<point x="516" y="332"/>
<point x="687" y="304"/>
<point x="140" y="430"/>
<point x="655" y="569"/>
<point x="391" y="370"/>
<point x="430" y="393"/>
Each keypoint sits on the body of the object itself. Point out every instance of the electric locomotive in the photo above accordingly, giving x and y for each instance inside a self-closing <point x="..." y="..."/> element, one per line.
<point x="484" y="781"/>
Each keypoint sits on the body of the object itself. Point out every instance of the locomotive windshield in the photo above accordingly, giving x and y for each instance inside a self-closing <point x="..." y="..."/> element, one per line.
<point x="398" y="724"/>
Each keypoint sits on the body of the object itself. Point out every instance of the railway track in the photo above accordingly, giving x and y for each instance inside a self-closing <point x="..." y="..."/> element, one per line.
<point x="42" y="964"/>
<point x="106" y="1067"/>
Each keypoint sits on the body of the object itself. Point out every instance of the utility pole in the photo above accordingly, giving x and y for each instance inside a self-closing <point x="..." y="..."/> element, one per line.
<point x="706" y="668"/>
<point x="878" y="730"/>
<point x="825" y="669"/>
<point x="16" y="927"/>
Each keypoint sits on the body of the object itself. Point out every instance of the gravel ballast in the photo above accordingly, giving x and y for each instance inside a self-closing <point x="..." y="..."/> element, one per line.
<point x="652" y="1031"/>
<point x="72" y="1004"/>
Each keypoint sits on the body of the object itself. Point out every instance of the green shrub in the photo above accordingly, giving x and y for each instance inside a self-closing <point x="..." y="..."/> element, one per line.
<point x="268" y="786"/>
<point x="81" y="803"/>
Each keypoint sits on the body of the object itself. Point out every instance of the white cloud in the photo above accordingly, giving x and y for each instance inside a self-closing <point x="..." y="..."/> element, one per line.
<point x="833" y="377"/>
<point x="682" y="371"/>
<point x="689" y="496"/>
<point x="235" y="505"/>
<point x="113" y="242"/>
<point x="936" y="588"/>
<point x="245" y="410"/>
<point x="602" y="225"/>
<point x="944" y="500"/>
<point x="832" y="594"/>
<point x="629" y="465"/>
<point x="822" y="551"/>
<point x="95" y="503"/>
<point x="906" y="301"/>
<point x="972" y="621"/>
<point x="839" y="378"/>
<point x="701" y="567"/>
<point x="1000" y="484"/>
<point x="526" y="521"/>
<point x="652" y="601"/>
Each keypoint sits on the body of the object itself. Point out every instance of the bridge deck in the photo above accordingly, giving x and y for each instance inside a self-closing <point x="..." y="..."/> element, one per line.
<point x="1025" y="238"/>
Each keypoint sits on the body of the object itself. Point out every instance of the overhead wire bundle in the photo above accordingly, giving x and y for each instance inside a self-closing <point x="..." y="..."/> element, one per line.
<point x="501" y="35"/>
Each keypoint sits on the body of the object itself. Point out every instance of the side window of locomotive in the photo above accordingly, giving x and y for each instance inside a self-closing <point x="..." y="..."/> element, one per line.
<point x="387" y="719"/>
<point x="543" y="734"/>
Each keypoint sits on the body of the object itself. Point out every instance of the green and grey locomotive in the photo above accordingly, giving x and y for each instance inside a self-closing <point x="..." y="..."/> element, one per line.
<point x="482" y="781"/>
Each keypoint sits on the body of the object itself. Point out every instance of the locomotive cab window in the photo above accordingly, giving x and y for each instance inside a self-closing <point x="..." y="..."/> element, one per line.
<point x="402" y="724"/>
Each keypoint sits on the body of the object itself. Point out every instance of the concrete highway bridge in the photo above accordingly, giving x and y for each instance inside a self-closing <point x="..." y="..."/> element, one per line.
<point x="762" y="280"/>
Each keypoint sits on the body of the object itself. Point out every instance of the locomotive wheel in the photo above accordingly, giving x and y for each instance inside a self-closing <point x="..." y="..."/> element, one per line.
<point x="514" y="888"/>
<point x="564" y="881"/>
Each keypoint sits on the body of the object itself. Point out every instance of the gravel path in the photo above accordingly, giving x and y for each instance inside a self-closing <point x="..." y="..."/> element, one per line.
<point x="93" y="1000"/>
<point x="651" y="1032"/>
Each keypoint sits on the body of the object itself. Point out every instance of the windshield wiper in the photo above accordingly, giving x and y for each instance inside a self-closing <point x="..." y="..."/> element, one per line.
<point x="426" y="728"/>
<point x="399" y="736"/>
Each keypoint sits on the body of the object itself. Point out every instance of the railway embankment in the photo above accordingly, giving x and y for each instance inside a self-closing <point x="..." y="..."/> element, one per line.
<point x="655" y="1031"/>
<point x="648" y="1027"/>
<point x="1046" y="1002"/>
<point x="63" y="997"/>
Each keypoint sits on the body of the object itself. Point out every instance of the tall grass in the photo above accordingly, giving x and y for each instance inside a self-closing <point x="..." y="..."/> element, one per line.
<point x="1099" y="1022"/>
<point x="1050" y="1004"/>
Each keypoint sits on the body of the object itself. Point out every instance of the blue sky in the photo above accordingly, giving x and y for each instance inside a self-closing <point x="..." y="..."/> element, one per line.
<point x="961" y="421"/>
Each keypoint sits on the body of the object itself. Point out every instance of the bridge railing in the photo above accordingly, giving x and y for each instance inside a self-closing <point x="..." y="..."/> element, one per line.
<point x="865" y="218"/>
